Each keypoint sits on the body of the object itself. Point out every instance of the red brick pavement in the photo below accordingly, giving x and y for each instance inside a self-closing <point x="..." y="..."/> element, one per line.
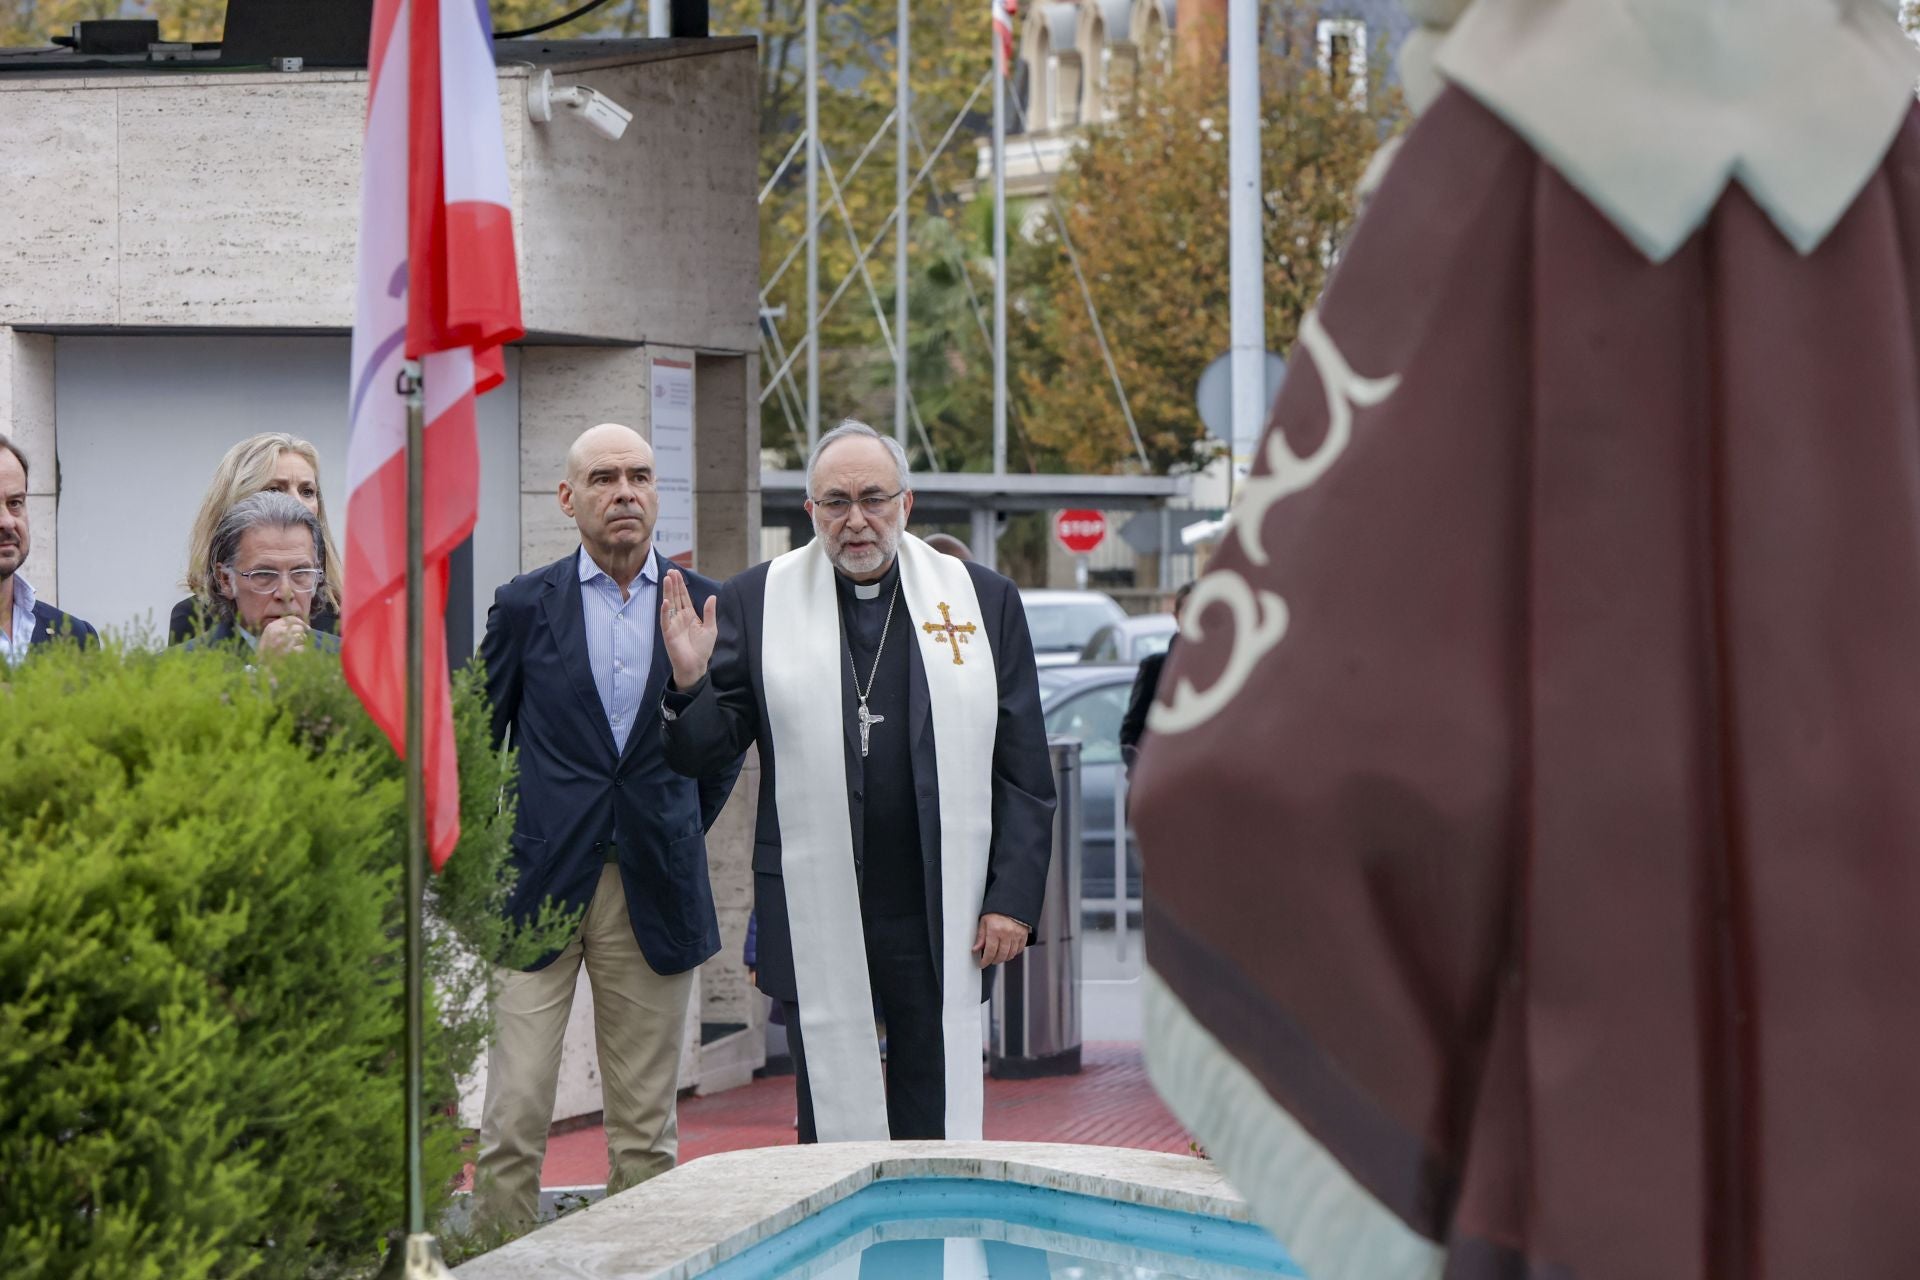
<point x="1110" y="1104"/>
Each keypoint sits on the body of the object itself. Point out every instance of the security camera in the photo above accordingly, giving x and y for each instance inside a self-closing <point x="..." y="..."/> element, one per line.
<point x="605" y="116"/>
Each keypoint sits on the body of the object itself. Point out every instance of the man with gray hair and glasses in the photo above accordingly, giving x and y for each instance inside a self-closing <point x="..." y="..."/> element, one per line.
<point x="906" y="795"/>
<point x="268" y="551"/>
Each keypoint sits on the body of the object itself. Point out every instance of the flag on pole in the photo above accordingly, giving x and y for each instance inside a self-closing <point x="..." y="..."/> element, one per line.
<point x="437" y="282"/>
<point x="1004" y="12"/>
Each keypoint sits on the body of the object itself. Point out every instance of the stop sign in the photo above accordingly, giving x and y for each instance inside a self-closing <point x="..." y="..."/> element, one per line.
<point x="1080" y="531"/>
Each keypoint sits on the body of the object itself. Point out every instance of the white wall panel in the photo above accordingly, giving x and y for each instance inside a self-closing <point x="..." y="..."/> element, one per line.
<point x="142" y="421"/>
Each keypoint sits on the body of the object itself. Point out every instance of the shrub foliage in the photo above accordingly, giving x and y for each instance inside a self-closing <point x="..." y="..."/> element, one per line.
<point x="201" y="941"/>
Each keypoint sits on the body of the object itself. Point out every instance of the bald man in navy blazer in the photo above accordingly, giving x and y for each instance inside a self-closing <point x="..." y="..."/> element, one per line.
<point x="575" y="670"/>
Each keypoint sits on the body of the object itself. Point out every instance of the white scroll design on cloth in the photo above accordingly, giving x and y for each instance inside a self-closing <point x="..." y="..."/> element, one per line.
<point x="1260" y="617"/>
<point x="800" y="662"/>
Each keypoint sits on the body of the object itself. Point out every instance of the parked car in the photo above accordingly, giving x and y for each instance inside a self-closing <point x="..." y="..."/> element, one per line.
<point x="1087" y="702"/>
<point x="1131" y="639"/>
<point x="1062" y="622"/>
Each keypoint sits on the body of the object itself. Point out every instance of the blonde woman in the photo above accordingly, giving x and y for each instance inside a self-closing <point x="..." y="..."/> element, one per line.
<point x="274" y="461"/>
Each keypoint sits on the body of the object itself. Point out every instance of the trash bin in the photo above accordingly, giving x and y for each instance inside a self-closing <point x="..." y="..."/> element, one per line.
<point x="1035" y="1022"/>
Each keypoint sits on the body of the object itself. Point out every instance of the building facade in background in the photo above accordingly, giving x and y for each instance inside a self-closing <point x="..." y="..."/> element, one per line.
<point x="176" y="273"/>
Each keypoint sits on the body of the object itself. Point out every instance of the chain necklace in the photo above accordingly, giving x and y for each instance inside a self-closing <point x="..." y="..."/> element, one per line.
<point x="867" y="718"/>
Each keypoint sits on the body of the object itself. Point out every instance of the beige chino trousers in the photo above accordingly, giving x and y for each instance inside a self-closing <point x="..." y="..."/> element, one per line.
<point x="639" y="1019"/>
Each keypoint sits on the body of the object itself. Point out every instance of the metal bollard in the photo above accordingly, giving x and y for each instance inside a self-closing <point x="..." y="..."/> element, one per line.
<point x="1035" y="1024"/>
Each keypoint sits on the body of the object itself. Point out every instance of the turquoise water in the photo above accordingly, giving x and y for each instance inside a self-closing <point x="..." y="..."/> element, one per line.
<point x="974" y="1229"/>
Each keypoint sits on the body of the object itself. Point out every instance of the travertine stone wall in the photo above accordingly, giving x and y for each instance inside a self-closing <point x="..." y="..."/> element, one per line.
<point x="726" y="463"/>
<point x="727" y="995"/>
<point x="665" y="245"/>
<point x="563" y="391"/>
<point x="232" y="200"/>
<point x="727" y="540"/>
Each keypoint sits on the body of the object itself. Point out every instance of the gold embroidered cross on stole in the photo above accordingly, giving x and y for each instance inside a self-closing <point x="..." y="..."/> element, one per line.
<point x="950" y="633"/>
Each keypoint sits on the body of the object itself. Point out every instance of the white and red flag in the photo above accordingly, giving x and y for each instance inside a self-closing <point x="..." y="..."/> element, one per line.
<point x="1004" y="12"/>
<point x="437" y="282"/>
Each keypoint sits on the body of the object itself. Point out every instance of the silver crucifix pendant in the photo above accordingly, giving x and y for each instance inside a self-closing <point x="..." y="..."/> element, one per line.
<point x="867" y="721"/>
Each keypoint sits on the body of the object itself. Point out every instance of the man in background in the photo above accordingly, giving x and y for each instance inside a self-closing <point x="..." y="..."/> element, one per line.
<point x="948" y="545"/>
<point x="25" y="620"/>
<point x="1146" y="687"/>
<point x="906" y="793"/>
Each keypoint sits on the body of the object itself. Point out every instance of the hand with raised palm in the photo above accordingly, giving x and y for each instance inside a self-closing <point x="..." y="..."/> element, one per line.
<point x="688" y="632"/>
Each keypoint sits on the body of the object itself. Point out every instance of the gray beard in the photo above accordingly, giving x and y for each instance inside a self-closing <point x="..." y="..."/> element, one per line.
<point x="887" y="549"/>
<point x="846" y="566"/>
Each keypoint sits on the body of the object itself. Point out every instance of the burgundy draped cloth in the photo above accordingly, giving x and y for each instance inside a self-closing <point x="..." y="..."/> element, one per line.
<point x="1558" y="871"/>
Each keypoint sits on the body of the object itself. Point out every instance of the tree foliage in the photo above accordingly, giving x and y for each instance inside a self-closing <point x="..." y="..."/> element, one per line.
<point x="200" y="967"/>
<point x="34" y="22"/>
<point x="1146" y="208"/>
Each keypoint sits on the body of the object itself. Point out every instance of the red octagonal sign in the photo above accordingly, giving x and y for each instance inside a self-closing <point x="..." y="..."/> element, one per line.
<point x="1080" y="531"/>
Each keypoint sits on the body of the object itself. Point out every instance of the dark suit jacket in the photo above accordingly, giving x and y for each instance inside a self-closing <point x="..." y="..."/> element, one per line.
<point x="575" y="794"/>
<point x="224" y="634"/>
<point x="1146" y="685"/>
<point x="49" y="624"/>
<point x="724" y="714"/>
<point x="191" y="618"/>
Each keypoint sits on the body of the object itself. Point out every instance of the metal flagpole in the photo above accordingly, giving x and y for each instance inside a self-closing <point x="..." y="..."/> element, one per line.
<point x="999" y="256"/>
<point x="420" y="1259"/>
<point x="813" y="221"/>
<point x="987" y="521"/>
<point x="1249" y="321"/>
<point x="903" y="101"/>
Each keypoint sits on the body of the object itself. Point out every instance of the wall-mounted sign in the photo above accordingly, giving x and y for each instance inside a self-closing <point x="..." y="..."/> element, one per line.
<point x="673" y="458"/>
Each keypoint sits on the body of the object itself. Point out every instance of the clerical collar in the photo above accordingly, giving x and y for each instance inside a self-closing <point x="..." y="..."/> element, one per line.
<point x="869" y="590"/>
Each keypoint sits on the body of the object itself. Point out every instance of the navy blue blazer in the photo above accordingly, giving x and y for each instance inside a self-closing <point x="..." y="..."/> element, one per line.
<point x="49" y="624"/>
<point x="575" y="794"/>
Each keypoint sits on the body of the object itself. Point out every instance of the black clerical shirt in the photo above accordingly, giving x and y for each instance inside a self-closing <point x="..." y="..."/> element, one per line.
<point x="892" y="882"/>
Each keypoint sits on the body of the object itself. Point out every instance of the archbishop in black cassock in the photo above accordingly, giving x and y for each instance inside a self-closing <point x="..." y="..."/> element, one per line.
<point x="893" y="792"/>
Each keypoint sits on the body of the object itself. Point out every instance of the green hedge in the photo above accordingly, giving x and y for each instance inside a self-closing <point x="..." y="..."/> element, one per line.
<point x="200" y="967"/>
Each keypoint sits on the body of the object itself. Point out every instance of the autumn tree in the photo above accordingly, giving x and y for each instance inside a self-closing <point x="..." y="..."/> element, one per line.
<point x="1146" y="207"/>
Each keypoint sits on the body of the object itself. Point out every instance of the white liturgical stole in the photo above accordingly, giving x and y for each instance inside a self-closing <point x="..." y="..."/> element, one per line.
<point x="801" y="665"/>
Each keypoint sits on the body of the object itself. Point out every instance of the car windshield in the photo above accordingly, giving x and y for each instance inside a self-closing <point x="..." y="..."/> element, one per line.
<point x="1066" y="626"/>
<point x="1093" y="717"/>
<point x="1156" y="642"/>
<point x="1052" y="678"/>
